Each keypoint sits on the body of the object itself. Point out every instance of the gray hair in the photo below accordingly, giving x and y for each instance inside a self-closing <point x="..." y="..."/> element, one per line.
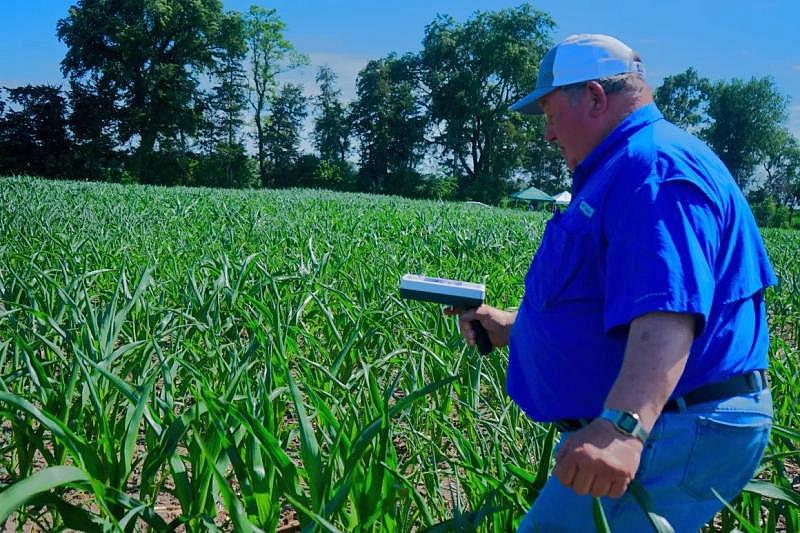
<point x="627" y="82"/>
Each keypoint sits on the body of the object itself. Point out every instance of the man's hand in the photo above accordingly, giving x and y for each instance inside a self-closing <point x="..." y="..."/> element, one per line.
<point x="498" y="323"/>
<point x="598" y="460"/>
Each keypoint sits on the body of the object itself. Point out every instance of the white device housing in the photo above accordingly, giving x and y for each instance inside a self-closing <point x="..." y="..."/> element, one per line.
<point x="441" y="290"/>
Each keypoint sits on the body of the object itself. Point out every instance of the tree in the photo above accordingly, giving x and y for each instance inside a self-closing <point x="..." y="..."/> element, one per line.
<point x="389" y="120"/>
<point x="473" y="72"/>
<point x="281" y="134"/>
<point x="95" y="132"/>
<point x="224" y="161"/>
<point x="684" y="98"/>
<point x="331" y="126"/>
<point x="270" y="54"/>
<point x="745" y="116"/>
<point x="781" y="164"/>
<point x="228" y="97"/>
<point x="148" y="56"/>
<point x="33" y="132"/>
<point x="545" y="167"/>
<point x="227" y="166"/>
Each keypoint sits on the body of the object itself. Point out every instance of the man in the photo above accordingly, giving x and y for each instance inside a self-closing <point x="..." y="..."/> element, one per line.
<point x="642" y="333"/>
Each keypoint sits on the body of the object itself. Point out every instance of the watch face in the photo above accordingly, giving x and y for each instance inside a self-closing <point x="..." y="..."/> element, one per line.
<point x="627" y="423"/>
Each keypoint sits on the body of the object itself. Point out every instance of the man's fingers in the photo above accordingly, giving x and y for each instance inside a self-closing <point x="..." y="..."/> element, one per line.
<point x="465" y="326"/>
<point x="565" y="472"/>
<point x="466" y="330"/>
<point x="601" y="487"/>
<point x="617" y="489"/>
<point x="467" y="315"/>
<point x="562" y="451"/>
<point x="483" y="311"/>
<point x="583" y="481"/>
<point x="464" y="319"/>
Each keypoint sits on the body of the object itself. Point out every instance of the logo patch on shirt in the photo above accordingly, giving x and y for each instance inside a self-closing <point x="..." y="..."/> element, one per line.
<point x="586" y="209"/>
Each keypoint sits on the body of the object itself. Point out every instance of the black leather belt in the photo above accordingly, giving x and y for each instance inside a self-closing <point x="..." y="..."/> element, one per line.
<point x="735" y="386"/>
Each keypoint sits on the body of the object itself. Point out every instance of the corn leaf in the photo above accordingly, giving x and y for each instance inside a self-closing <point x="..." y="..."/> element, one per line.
<point x="44" y="480"/>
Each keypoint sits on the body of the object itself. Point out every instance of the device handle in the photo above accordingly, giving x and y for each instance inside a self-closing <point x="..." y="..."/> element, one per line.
<point x="481" y="337"/>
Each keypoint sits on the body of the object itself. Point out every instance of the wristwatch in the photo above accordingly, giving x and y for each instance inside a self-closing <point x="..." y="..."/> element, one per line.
<point x="626" y="423"/>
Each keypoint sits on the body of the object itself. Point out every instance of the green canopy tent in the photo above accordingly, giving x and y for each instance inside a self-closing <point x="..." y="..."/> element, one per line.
<point x="532" y="194"/>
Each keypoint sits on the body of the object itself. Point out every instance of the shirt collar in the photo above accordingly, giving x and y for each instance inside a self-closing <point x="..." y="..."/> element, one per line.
<point x="640" y="118"/>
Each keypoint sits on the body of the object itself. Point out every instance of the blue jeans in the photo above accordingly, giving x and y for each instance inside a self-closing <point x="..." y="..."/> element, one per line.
<point x="712" y="445"/>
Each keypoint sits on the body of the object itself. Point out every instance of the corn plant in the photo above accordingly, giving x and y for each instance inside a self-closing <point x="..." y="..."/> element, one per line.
<point x="197" y="359"/>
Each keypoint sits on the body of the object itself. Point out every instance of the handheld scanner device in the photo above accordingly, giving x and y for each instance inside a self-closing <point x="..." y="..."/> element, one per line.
<point x="451" y="292"/>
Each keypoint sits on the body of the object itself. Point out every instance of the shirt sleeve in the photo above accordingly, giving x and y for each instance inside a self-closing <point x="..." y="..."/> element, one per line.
<point x="661" y="253"/>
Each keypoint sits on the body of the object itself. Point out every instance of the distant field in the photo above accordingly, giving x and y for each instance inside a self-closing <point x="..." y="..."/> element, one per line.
<point x="197" y="358"/>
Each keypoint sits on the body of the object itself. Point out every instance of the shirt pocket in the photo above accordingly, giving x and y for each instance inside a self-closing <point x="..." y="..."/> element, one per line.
<point x="560" y="268"/>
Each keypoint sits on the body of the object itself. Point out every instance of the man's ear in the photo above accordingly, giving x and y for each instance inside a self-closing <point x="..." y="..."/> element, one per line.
<point x="598" y="98"/>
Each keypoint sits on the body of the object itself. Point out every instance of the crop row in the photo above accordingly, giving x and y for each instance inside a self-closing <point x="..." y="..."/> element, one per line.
<point x="200" y="359"/>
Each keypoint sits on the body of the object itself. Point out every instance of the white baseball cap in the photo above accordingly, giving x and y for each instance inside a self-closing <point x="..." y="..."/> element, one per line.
<point x="579" y="58"/>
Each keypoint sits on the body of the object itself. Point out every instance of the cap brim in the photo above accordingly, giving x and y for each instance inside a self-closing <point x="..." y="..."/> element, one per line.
<point x="529" y="104"/>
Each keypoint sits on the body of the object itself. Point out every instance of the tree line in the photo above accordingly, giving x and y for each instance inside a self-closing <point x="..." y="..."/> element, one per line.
<point x="184" y="92"/>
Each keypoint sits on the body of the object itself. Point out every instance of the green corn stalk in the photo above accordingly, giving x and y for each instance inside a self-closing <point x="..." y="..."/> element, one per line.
<point x="181" y="372"/>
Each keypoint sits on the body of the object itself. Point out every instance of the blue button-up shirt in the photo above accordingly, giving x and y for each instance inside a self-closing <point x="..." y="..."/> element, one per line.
<point x="656" y="223"/>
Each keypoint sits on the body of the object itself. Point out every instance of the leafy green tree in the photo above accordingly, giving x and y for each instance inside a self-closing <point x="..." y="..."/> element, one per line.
<point x="335" y="175"/>
<point x="270" y="55"/>
<point x="224" y="160"/>
<point x="684" y="98"/>
<point x="544" y="166"/>
<point x="228" y="165"/>
<point x="229" y="94"/>
<point x="94" y="131"/>
<point x="149" y="55"/>
<point x="745" y="117"/>
<point x="33" y="133"/>
<point x="281" y="134"/>
<point x="389" y="121"/>
<point x="331" y="125"/>
<point x="473" y="72"/>
<point x="780" y="162"/>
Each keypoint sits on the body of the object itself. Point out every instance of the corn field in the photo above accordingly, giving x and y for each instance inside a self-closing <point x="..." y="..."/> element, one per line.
<point x="195" y="360"/>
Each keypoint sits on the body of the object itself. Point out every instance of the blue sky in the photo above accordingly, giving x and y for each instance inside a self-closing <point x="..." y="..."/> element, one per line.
<point x="721" y="39"/>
